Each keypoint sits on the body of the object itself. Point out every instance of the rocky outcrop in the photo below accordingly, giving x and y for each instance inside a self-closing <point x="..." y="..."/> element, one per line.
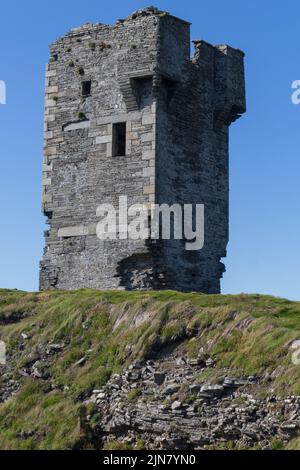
<point x="168" y="404"/>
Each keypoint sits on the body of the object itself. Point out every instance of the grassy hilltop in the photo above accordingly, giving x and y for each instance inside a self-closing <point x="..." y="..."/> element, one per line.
<point x="62" y="345"/>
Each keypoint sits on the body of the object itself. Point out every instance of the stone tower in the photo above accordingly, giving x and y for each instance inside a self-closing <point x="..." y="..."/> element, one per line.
<point x="129" y="112"/>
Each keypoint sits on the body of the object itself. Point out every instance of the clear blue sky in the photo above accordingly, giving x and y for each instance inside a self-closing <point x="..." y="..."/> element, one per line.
<point x="263" y="254"/>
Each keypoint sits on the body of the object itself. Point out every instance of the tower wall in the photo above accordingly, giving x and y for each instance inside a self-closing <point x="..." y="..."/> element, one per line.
<point x="192" y="157"/>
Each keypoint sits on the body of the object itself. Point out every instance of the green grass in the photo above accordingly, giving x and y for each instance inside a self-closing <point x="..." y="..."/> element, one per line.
<point x="116" y="445"/>
<point x="249" y="334"/>
<point x="133" y="394"/>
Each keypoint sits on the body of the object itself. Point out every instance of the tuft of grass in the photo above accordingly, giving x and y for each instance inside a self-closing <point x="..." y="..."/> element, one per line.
<point x="104" y="45"/>
<point x="140" y="445"/>
<point x="81" y="116"/>
<point x="116" y="445"/>
<point x="277" y="445"/>
<point x="134" y="394"/>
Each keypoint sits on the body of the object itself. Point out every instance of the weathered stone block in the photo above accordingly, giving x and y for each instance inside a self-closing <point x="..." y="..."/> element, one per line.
<point x="103" y="139"/>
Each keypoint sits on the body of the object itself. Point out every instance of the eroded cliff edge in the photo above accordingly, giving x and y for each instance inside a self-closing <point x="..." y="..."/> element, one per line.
<point x="95" y="369"/>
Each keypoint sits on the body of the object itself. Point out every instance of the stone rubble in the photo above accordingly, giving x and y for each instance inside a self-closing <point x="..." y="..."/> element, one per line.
<point x="173" y="408"/>
<point x="172" y="402"/>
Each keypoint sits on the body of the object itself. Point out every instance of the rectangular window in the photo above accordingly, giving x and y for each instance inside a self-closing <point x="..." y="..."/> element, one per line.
<point x="119" y="139"/>
<point x="86" y="88"/>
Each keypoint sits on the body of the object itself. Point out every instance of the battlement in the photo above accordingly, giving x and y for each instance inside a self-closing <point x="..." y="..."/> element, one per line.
<point x="128" y="111"/>
<point x="134" y="17"/>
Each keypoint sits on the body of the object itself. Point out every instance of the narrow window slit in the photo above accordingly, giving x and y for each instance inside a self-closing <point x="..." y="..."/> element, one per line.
<point x="119" y="139"/>
<point x="86" y="88"/>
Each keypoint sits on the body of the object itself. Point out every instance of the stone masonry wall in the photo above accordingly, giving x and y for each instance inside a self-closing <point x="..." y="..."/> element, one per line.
<point x="177" y="112"/>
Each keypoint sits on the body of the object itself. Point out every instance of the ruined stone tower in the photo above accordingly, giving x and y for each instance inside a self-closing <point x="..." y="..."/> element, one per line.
<point x="129" y="112"/>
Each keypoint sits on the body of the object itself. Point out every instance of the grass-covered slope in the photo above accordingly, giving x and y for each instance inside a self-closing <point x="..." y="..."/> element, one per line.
<point x="62" y="345"/>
